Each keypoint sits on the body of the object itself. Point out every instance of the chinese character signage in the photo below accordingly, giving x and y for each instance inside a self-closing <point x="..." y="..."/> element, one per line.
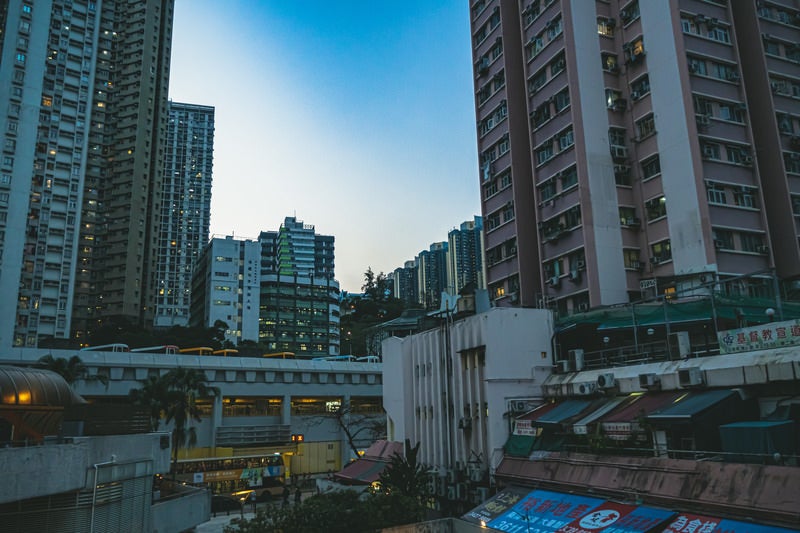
<point x="763" y="337"/>
<point x="543" y="511"/>
<point x="495" y="506"/>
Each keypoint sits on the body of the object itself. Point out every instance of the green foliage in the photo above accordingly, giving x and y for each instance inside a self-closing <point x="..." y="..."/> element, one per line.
<point x="126" y="332"/>
<point x="359" y="314"/>
<point x="174" y="397"/>
<point x="72" y="369"/>
<point x="406" y="475"/>
<point x="336" y="512"/>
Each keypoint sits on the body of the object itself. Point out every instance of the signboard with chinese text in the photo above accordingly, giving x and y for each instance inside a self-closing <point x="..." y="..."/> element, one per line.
<point x="524" y="427"/>
<point x="500" y="503"/>
<point x="763" y="337"/>
<point x="689" y="523"/>
<point x="542" y="511"/>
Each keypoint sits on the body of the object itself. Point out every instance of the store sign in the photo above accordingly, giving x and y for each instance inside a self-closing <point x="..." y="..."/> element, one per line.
<point x="524" y="427"/>
<point x="763" y="337"/>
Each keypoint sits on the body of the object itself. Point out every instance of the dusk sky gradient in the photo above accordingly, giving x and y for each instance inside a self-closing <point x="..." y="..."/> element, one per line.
<point x="356" y="117"/>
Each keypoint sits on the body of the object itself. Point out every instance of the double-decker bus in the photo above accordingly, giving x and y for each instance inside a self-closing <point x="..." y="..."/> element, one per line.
<point x="165" y="348"/>
<point x="226" y="352"/>
<point x="115" y="347"/>
<point x="264" y="474"/>
<point x="198" y="350"/>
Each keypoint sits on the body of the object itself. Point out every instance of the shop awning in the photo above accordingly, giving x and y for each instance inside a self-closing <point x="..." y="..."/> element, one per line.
<point x="519" y="445"/>
<point x="539" y="411"/>
<point x="361" y="472"/>
<point x="757" y="440"/>
<point x="621" y="423"/>
<point x="687" y="408"/>
<point x="689" y="523"/>
<point x="581" y="427"/>
<point x="560" y="412"/>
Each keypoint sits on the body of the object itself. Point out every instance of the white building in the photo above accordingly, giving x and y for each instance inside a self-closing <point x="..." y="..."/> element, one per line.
<point x="455" y="385"/>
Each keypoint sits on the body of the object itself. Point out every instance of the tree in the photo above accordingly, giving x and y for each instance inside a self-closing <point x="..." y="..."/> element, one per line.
<point x="406" y="475"/>
<point x="174" y="396"/>
<point x="335" y="512"/>
<point x="72" y="369"/>
<point x="354" y="424"/>
<point x="185" y="386"/>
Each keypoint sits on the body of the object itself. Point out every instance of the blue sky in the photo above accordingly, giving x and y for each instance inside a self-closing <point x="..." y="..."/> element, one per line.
<point x="354" y="116"/>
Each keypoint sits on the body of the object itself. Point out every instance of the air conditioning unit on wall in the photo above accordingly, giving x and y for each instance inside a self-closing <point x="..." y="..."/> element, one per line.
<point x="606" y="380"/>
<point x="690" y="377"/>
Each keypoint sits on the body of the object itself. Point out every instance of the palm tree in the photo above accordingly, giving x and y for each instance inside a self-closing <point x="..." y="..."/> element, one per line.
<point x="72" y="369"/>
<point x="185" y="386"/>
<point x="405" y="474"/>
<point x="154" y="395"/>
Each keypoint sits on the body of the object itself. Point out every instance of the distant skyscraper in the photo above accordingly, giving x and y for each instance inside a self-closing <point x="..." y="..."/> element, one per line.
<point x="299" y="296"/>
<point x="185" y="208"/>
<point x="630" y="144"/>
<point x="432" y="275"/>
<point x="279" y="291"/>
<point x="84" y="86"/>
<point x="405" y="283"/>
<point x="465" y="256"/>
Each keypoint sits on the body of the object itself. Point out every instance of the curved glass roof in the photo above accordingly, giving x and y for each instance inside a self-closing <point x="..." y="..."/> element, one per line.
<point x="35" y="387"/>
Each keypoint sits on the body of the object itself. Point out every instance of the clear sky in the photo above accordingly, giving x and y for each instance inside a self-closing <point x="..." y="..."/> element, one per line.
<point x="355" y="116"/>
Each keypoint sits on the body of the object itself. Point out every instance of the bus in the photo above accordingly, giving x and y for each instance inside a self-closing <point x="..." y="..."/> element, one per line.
<point x="264" y="474"/>
<point x="115" y="347"/>
<point x="225" y="352"/>
<point x="345" y="358"/>
<point x="279" y="355"/>
<point x="199" y="350"/>
<point x="166" y="348"/>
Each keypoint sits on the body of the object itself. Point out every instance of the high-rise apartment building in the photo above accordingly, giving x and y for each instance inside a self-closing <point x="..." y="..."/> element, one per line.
<point x="185" y="208"/>
<point x="279" y="291"/>
<point x="465" y="256"/>
<point x="633" y="144"/>
<point x="83" y="86"/>
<point x="432" y="275"/>
<point x="404" y="280"/>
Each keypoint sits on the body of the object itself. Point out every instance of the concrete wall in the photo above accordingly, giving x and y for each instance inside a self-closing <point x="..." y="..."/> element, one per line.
<point x="183" y="513"/>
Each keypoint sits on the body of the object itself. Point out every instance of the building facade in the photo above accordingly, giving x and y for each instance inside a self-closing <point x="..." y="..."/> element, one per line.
<point x="629" y="141"/>
<point x="404" y="280"/>
<point x="465" y="256"/>
<point x="225" y="287"/>
<point x="85" y="86"/>
<point x="185" y="208"/>
<point x="432" y="275"/>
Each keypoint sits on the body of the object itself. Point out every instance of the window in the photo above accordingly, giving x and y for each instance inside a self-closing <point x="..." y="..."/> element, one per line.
<point x="566" y="139"/>
<point x="545" y="153"/>
<point x="614" y="99"/>
<point x="537" y="81"/>
<point x="490" y="189"/>
<point x="554" y="28"/>
<point x="710" y="150"/>
<point x="651" y="167"/>
<point x="493" y="221"/>
<point x="716" y="194"/>
<point x="630" y="12"/>
<point x="656" y="208"/>
<point x="723" y="239"/>
<point x="508" y="212"/>
<point x="738" y="155"/>
<point x="645" y="126"/>
<point x="535" y="45"/>
<point x="561" y="100"/>
<point x="634" y="50"/>
<point x="745" y="197"/>
<point x="19" y="58"/>
<point x="505" y="180"/>
<point x="751" y="242"/>
<point x="569" y="178"/>
<point x="688" y="25"/>
<point x="541" y="114"/>
<point x="531" y="12"/>
<point x="547" y="190"/>
<point x="557" y="65"/>
<point x="731" y="112"/>
<point x="631" y="259"/>
<point x="792" y="162"/>
<point x="605" y="27"/>
<point x="720" y="34"/>
<point x="616" y="136"/>
<point x="640" y="87"/>
<point x="610" y="62"/>
<point x="724" y="72"/>
<point x="661" y="251"/>
<point x="771" y="47"/>
<point x="627" y="216"/>
<point x="697" y="66"/>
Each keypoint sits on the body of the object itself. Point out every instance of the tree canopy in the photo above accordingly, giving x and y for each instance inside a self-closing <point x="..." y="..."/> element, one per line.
<point x="72" y="369"/>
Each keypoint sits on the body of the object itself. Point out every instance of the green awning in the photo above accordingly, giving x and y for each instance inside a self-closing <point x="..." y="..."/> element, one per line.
<point x="519" y="445"/>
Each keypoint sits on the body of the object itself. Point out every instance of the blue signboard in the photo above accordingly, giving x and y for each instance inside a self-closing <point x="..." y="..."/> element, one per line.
<point x="542" y="511"/>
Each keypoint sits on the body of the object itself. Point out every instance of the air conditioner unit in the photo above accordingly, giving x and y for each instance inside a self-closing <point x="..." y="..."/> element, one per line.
<point x="514" y="297"/>
<point x="575" y="275"/>
<point x="635" y="95"/>
<point x="483" y="65"/>
<point x="465" y="423"/>
<point x="649" y="381"/>
<point x="622" y="170"/>
<point x="580" y="265"/>
<point x="565" y="365"/>
<point x="606" y="380"/>
<point x="519" y="406"/>
<point x="762" y="249"/>
<point x="708" y="152"/>
<point x="690" y="377"/>
<point x="692" y="68"/>
<point x="733" y="76"/>
<point x="719" y="244"/>
<point x="576" y="358"/>
<point x="747" y="160"/>
<point x="555" y="281"/>
<point x="703" y="120"/>
<point x="584" y="389"/>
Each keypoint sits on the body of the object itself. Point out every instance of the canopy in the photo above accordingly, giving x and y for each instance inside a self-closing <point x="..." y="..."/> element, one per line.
<point x="519" y="445"/>
<point x="687" y="408"/>
<point x="581" y="427"/>
<point x="621" y="423"/>
<point x="560" y="412"/>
